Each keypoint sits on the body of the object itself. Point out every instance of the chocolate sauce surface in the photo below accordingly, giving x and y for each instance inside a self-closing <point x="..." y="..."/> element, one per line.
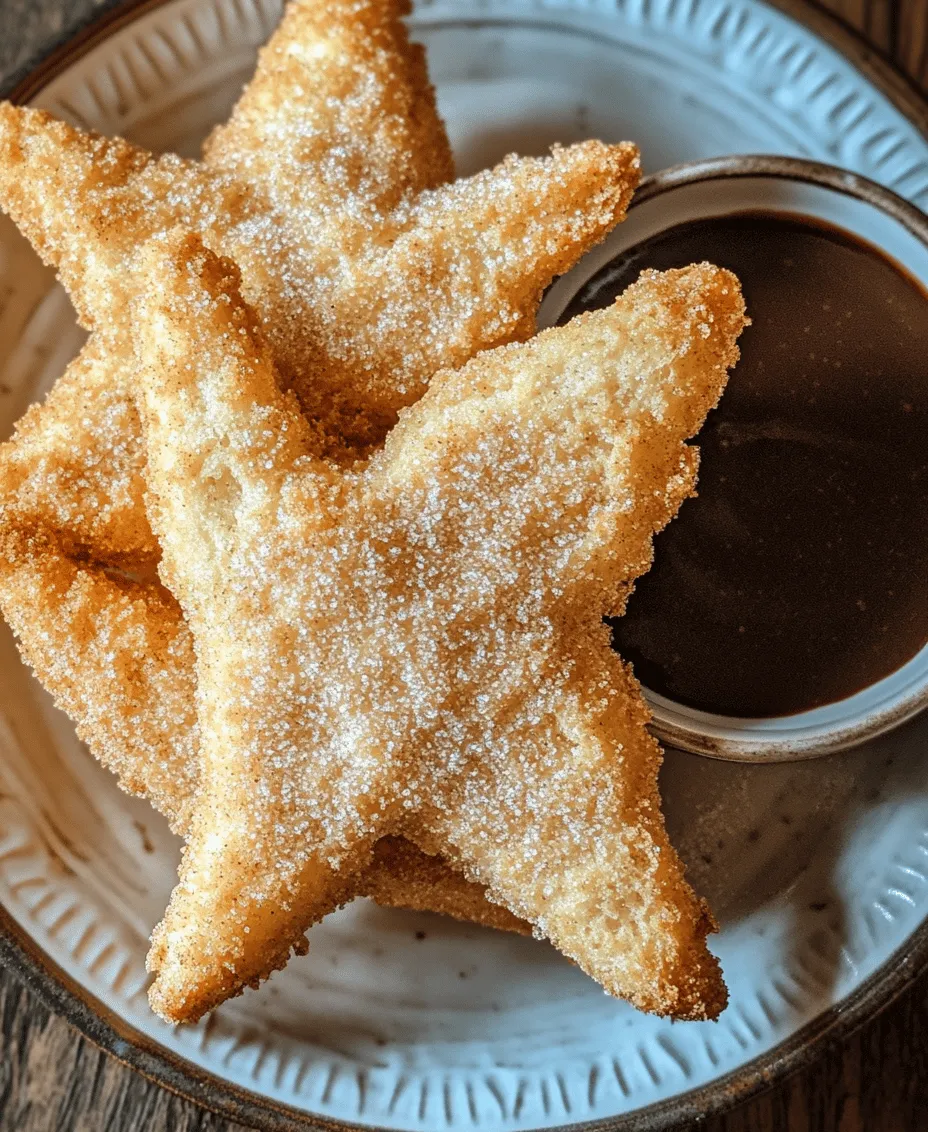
<point x="800" y="573"/>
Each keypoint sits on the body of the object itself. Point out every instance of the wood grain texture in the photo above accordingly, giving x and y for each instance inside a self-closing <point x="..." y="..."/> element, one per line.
<point x="52" y="1080"/>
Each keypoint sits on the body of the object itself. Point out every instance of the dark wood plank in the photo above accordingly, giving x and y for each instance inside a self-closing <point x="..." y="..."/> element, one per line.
<point x="910" y="46"/>
<point x="875" y="18"/>
<point x="875" y="1082"/>
<point x="52" y="1080"/>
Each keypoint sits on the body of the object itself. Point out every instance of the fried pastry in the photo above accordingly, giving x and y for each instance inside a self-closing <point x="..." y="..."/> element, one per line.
<point x="328" y="184"/>
<point x="416" y="646"/>
<point x="114" y="636"/>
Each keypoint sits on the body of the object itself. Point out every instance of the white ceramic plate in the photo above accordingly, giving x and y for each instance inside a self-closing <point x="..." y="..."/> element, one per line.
<point x="817" y="871"/>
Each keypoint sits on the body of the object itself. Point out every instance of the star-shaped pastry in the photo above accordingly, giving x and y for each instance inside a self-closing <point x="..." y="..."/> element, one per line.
<point x="329" y="185"/>
<point x="121" y="651"/>
<point x="416" y="646"/>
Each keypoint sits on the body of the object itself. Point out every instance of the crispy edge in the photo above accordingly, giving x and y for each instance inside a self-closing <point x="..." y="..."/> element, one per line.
<point x="75" y="464"/>
<point x="351" y="72"/>
<point x="612" y="894"/>
<point x="116" y="657"/>
<point x="403" y="876"/>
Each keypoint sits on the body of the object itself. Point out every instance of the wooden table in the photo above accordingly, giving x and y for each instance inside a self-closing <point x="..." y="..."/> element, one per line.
<point x="52" y="1080"/>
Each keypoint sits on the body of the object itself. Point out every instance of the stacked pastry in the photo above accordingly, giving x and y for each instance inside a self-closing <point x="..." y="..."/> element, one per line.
<point x="314" y="539"/>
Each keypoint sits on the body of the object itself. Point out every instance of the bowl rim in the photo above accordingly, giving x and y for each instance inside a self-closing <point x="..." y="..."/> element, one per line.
<point x="801" y="736"/>
<point x="62" y="995"/>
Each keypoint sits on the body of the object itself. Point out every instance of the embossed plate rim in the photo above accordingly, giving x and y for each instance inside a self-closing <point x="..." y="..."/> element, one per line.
<point x="85" y="1012"/>
<point x="82" y="1010"/>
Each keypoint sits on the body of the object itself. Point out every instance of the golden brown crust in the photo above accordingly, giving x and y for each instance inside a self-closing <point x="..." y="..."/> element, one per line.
<point x="403" y="876"/>
<point x="75" y="463"/>
<point x="479" y="709"/>
<point x="374" y="106"/>
<point x="117" y="658"/>
<point x="70" y="481"/>
<point x="385" y="299"/>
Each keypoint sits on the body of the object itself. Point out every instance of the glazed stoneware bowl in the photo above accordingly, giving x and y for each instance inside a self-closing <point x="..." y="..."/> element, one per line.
<point x="818" y="871"/>
<point x="899" y="231"/>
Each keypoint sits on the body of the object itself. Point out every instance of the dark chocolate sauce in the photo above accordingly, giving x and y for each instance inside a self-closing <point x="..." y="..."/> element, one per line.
<point x="800" y="574"/>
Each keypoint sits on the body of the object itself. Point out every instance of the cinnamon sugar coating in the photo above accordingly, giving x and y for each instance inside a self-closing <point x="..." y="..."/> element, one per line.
<point x="401" y="875"/>
<point x="415" y="646"/>
<point x="329" y="185"/>
<point x="120" y="658"/>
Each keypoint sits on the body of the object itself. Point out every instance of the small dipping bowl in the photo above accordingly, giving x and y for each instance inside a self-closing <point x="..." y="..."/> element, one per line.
<point x="896" y="229"/>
